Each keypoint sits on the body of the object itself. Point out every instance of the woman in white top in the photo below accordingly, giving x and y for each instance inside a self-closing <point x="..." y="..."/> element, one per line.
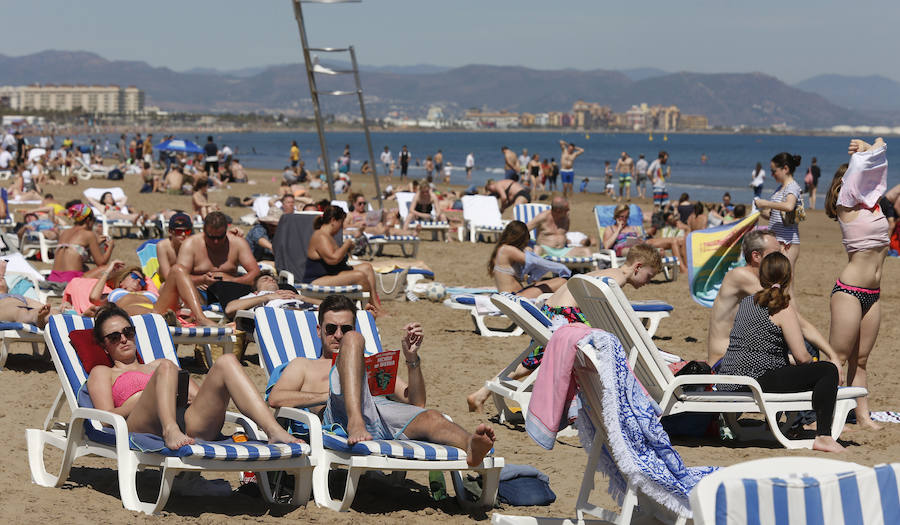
<point x="757" y="178"/>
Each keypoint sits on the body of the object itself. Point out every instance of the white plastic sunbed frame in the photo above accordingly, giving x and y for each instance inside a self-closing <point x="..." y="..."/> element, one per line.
<point x="481" y="216"/>
<point x="606" y="307"/>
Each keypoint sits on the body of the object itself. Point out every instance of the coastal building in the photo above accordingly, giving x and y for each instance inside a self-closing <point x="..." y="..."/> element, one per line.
<point x="692" y="122"/>
<point x="526" y="120"/>
<point x="590" y="115"/>
<point x="110" y="99"/>
<point x="501" y="120"/>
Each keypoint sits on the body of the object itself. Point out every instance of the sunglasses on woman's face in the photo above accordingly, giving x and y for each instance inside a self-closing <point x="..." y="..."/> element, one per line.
<point x="330" y="328"/>
<point x="115" y="337"/>
<point x="139" y="278"/>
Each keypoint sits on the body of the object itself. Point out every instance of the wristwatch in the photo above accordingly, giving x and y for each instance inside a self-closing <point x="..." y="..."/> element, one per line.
<point x="414" y="364"/>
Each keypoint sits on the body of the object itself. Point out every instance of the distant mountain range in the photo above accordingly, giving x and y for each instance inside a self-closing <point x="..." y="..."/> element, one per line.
<point x="727" y="99"/>
<point x="866" y="93"/>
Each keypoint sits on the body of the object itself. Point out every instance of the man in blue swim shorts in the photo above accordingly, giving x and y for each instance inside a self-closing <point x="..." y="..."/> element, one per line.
<point x="340" y="394"/>
<point x="567" y="165"/>
<point x="510" y="164"/>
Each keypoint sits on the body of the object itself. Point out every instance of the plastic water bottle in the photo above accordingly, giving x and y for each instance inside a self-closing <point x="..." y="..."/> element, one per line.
<point x="725" y="433"/>
<point x="437" y="485"/>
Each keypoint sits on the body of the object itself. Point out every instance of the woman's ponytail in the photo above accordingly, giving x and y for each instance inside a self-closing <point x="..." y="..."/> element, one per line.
<point x="775" y="277"/>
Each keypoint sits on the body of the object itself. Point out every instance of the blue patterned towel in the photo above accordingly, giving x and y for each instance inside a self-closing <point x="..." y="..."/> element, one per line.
<point x="641" y="450"/>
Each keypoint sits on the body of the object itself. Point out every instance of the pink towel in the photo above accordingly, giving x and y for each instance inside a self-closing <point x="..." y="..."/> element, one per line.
<point x="554" y="387"/>
<point x="78" y="293"/>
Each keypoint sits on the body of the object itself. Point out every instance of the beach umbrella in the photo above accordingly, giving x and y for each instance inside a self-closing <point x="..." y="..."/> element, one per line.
<point x="184" y="146"/>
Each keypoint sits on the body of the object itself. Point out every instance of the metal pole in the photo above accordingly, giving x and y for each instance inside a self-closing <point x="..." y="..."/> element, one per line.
<point x="362" y="109"/>
<point x="314" y="94"/>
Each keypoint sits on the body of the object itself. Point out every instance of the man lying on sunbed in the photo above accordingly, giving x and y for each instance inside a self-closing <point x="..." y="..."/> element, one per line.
<point x="15" y="308"/>
<point x="341" y="396"/>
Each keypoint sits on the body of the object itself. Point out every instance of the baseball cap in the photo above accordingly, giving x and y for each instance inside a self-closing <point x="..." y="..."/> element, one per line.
<point x="181" y="221"/>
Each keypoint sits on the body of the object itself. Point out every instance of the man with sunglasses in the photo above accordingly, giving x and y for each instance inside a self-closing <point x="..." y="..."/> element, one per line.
<point x="212" y="258"/>
<point x="340" y="394"/>
<point x="552" y="228"/>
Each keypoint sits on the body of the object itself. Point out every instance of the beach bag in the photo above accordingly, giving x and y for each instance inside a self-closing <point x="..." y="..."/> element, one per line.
<point x="391" y="286"/>
<point x="798" y="214"/>
<point x="808" y="179"/>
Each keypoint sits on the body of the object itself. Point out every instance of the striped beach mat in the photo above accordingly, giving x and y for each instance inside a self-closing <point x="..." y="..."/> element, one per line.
<point x="868" y="496"/>
<point x="885" y="417"/>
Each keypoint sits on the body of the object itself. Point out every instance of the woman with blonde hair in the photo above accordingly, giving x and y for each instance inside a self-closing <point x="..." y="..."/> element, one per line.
<point x="510" y="265"/>
<point x="766" y="332"/>
<point x="852" y="201"/>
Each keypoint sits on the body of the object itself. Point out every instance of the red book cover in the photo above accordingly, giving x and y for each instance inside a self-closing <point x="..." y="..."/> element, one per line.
<point x="381" y="371"/>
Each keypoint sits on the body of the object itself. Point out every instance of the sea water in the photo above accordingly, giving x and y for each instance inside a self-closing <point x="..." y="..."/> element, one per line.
<point x="704" y="166"/>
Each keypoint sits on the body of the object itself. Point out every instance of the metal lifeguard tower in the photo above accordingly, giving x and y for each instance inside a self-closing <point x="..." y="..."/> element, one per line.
<point x="312" y="68"/>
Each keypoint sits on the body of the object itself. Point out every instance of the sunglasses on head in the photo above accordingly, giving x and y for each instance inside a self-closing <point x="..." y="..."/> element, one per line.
<point x="139" y="278"/>
<point x="115" y="337"/>
<point x="331" y="328"/>
<point x="216" y="237"/>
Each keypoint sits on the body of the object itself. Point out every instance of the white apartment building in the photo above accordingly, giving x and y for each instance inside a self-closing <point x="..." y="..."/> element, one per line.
<point x="110" y="99"/>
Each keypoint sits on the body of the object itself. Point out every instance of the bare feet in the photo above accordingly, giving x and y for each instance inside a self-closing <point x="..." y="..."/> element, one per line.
<point x="356" y="432"/>
<point x="827" y="444"/>
<point x="477" y="399"/>
<point x="480" y="444"/>
<point x="867" y="424"/>
<point x="280" y="435"/>
<point x="42" y="316"/>
<point x="3" y="263"/>
<point x="202" y="320"/>
<point x="175" y="438"/>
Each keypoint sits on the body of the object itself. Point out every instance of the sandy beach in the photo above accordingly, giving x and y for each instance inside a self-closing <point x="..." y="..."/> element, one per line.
<point x="455" y="361"/>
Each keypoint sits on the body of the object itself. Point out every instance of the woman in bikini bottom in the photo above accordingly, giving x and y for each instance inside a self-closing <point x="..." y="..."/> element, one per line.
<point x="867" y="297"/>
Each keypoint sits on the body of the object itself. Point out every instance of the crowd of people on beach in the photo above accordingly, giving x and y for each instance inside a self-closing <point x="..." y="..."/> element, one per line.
<point x="755" y="328"/>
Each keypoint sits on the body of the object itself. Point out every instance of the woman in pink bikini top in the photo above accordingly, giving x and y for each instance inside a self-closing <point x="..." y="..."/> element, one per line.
<point x="855" y="310"/>
<point x="145" y="393"/>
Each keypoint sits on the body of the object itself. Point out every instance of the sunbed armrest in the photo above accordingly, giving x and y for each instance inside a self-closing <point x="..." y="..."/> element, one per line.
<point x="604" y="253"/>
<point x="311" y="421"/>
<point x="286" y="276"/>
<point x="118" y="423"/>
<point x="675" y="386"/>
<point x="253" y="432"/>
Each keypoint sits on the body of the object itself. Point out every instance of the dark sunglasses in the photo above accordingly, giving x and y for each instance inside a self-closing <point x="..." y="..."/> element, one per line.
<point x="182" y="231"/>
<point x="363" y="203"/>
<point x="330" y="328"/>
<point x="139" y="278"/>
<point x="216" y="237"/>
<point x="115" y="337"/>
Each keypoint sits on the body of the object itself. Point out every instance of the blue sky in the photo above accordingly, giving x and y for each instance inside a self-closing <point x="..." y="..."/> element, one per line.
<point x="792" y="40"/>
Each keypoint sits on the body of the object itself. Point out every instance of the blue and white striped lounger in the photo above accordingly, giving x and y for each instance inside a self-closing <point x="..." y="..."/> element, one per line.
<point x="86" y="436"/>
<point x="798" y="490"/>
<point x="19" y="333"/>
<point x="284" y="335"/>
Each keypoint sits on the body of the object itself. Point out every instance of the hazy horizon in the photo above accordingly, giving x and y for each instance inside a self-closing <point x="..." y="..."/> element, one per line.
<point x="791" y="41"/>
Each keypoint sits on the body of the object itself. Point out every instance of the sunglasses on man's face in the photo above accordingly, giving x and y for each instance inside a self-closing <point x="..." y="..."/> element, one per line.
<point x="331" y="328"/>
<point x="215" y="237"/>
<point x="181" y="231"/>
<point x="139" y="278"/>
<point x="115" y="337"/>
